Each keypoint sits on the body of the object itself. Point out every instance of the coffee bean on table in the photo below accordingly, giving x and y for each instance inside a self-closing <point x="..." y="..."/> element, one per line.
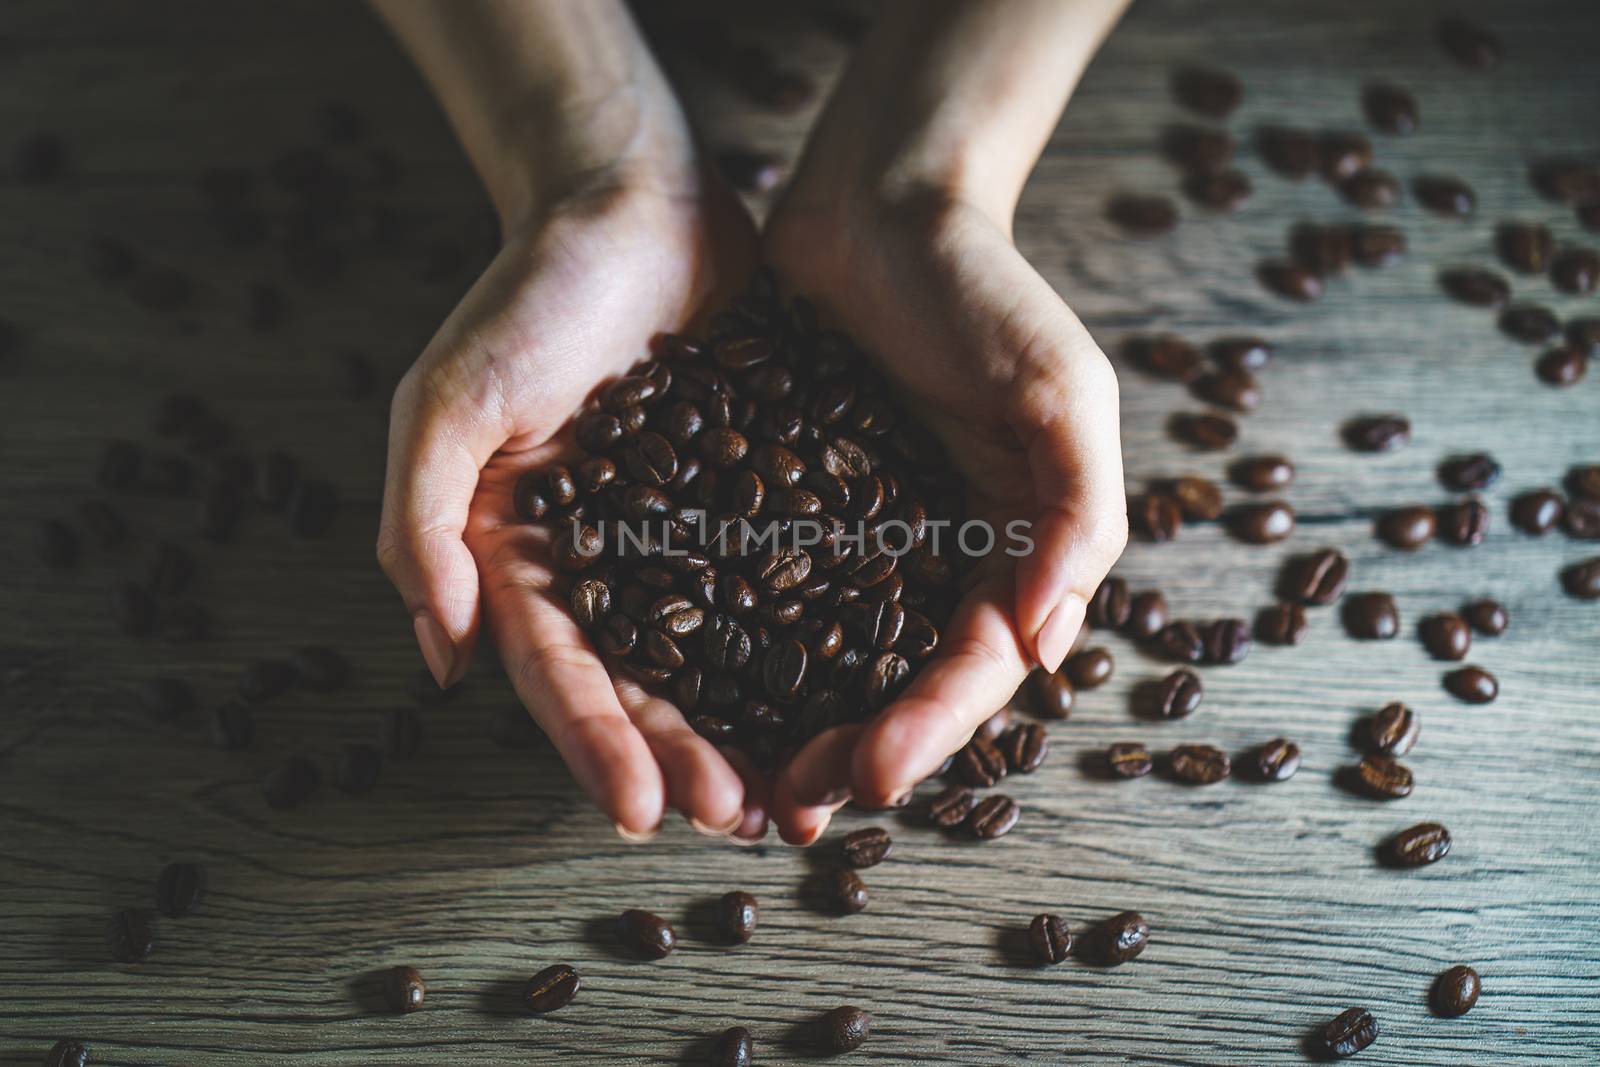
<point x="1378" y="433"/>
<point x="843" y="1029"/>
<point x="233" y="727"/>
<point x="1525" y="247"/>
<point x="950" y="808"/>
<point x="645" y="934"/>
<point x="1025" y="747"/>
<point x="1371" y="616"/>
<point x="1197" y="149"/>
<point x="1277" y="760"/>
<point x="129" y="935"/>
<point x="1155" y="516"/>
<point x="868" y="847"/>
<point x="1262" y="524"/>
<point x="1318" y="579"/>
<point x="1377" y="246"/>
<point x="1166" y="356"/>
<point x="1353" y="1030"/>
<point x="736" y="916"/>
<point x="1465" y="523"/>
<point x="1324" y="250"/>
<point x="1122" y="938"/>
<point x="357" y="770"/>
<point x="291" y="784"/>
<point x="67" y="1053"/>
<point x="1291" y="152"/>
<point x="1538" y="511"/>
<point x="1281" y="624"/>
<point x="1147" y="614"/>
<point x="1179" y="642"/>
<point x="1290" y="280"/>
<point x="320" y="669"/>
<point x="1178" y="695"/>
<point x="1562" y="366"/>
<point x="1225" y="191"/>
<point x="1582" y="579"/>
<point x="1049" y="939"/>
<point x="1089" y="669"/>
<point x="1208" y="91"/>
<point x="1584" y="335"/>
<point x="550" y="989"/>
<point x="1384" y="778"/>
<point x="1455" y="991"/>
<point x="844" y="891"/>
<point x="1199" y="499"/>
<point x="1530" y="323"/>
<point x="1343" y="154"/>
<point x="1370" y="189"/>
<point x="1469" y="44"/>
<point x="403" y="989"/>
<point x="1475" y="287"/>
<point x="133" y="609"/>
<point x="734" y="1047"/>
<point x="1390" y="109"/>
<point x="1205" y="433"/>
<point x="993" y="817"/>
<point x="1576" y="271"/>
<point x="1108" y="608"/>
<point x="1566" y="181"/>
<point x="1143" y="216"/>
<point x="1473" y="685"/>
<point x="980" y="763"/>
<point x="1488" y="617"/>
<point x="1445" y="635"/>
<point x="1199" y="764"/>
<point x="1226" y="641"/>
<point x="265" y="679"/>
<point x="1582" y="519"/>
<point x="1262" y="474"/>
<point x="1407" y="528"/>
<point x="1050" y="694"/>
<point x="1393" y="730"/>
<point x="1419" y="845"/>
<point x="1445" y="195"/>
<point x="180" y="889"/>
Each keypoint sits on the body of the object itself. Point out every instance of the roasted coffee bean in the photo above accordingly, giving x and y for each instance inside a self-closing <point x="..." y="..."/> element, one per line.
<point x="1566" y="181"/>
<point x="844" y="891"/>
<point x="357" y="770"/>
<point x="1469" y="44"/>
<point x="1147" y="614"/>
<point x="1473" y="685"/>
<point x="1352" y="1031"/>
<point x="1538" y="511"/>
<point x="1143" y="216"/>
<point x="1089" y="669"/>
<point x="1525" y="247"/>
<point x="1318" y="579"/>
<point x="133" y="609"/>
<point x="1584" y="335"/>
<point x="736" y="916"/>
<point x="1384" y="777"/>
<point x="552" y="988"/>
<point x="1378" y="433"/>
<point x="1179" y="642"/>
<point x="1226" y="641"/>
<point x="1199" y="764"/>
<point x="734" y="1047"/>
<point x="1122" y="938"/>
<point x="1025" y="747"/>
<point x="1445" y="636"/>
<point x="980" y="763"/>
<point x="1323" y="250"/>
<point x="1582" y="518"/>
<point x="1178" y="695"/>
<point x="1487" y="617"/>
<point x="886" y="676"/>
<point x="1207" y="91"/>
<point x="950" y="808"/>
<point x="727" y="645"/>
<point x="1393" y="730"/>
<point x="995" y="725"/>
<point x="1290" y="280"/>
<point x="1390" y="109"/>
<point x="1469" y="473"/>
<point x="291" y="784"/>
<point x="1377" y="246"/>
<point x="1292" y="153"/>
<point x="843" y="1029"/>
<point x="1421" y="844"/>
<point x="1445" y="195"/>
<point x="645" y="934"/>
<point x="1224" y="191"/>
<point x="233" y="727"/>
<point x="1167" y="356"/>
<point x="1455" y="991"/>
<point x="994" y="816"/>
<point x="403" y="990"/>
<point x="1576" y="270"/>
<point x="1407" y="528"/>
<point x="1205" y="433"/>
<point x="129" y="936"/>
<point x="401" y="733"/>
<point x="266" y="679"/>
<point x="594" y="474"/>
<point x="1562" y="366"/>
<point x="1465" y="523"/>
<point x="1049" y="939"/>
<point x="1262" y="474"/>
<point x="1263" y="524"/>
<point x="1476" y="288"/>
<point x="1277" y="760"/>
<point x="1370" y="189"/>
<point x="1530" y="323"/>
<point x="1199" y="499"/>
<point x="1051" y="695"/>
<point x="1343" y="155"/>
<point x="591" y="602"/>
<point x="1129" y="759"/>
<point x="1108" y="608"/>
<point x="166" y="698"/>
<point x="180" y="889"/>
<point x="1240" y="353"/>
<point x="868" y="847"/>
<point x="1582" y="579"/>
<point x="1156" y="516"/>
<point x="1281" y="624"/>
<point x="67" y="1053"/>
<point x="1198" y="149"/>
<point x="1371" y="616"/>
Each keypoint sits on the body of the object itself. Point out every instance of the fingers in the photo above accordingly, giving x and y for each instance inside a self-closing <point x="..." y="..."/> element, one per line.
<point x="814" y="785"/>
<point x="757" y="799"/>
<point x="440" y="435"/>
<point x="969" y="681"/>
<point x="1067" y="416"/>
<point x="700" y="782"/>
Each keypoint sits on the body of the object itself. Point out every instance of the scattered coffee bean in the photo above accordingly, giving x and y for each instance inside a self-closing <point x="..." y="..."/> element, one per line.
<point x="552" y="988"/>
<point x="1455" y="991"/>
<point x="291" y="784"/>
<point x="1262" y="474"/>
<point x="233" y="727"/>
<point x="1318" y="579"/>
<point x="1205" y="433"/>
<point x="1464" y="524"/>
<point x="1155" y="516"/>
<point x="1226" y="641"/>
<point x="993" y="817"/>
<point x="1576" y="271"/>
<point x="868" y="847"/>
<point x="1469" y="473"/>
<point x="1473" y="685"/>
<point x="980" y="763"/>
<point x="736" y="916"/>
<point x="1562" y="366"/>
<point x="180" y="889"/>
<point x="1199" y="764"/>
<point x="1393" y="730"/>
<point x="1122" y="938"/>
<point x="1343" y="155"/>
<point x="1582" y="519"/>
<point x="1407" y="528"/>
<point x="1277" y="760"/>
<point x="1475" y="287"/>
<point x="1089" y="669"/>
<point x="1378" y="433"/>
<point x="1529" y="323"/>
<point x="1445" y="636"/>
<point x="1049" y="939"/>
<point x="1525" y="247"/>
<point x="1166" y="356"/>
<point x="843" y="1029"/>
<point x="1378" y="246"/>
<point x="1147" y="614"/>
<point x="1566" y="181"/>
<point x="950" y="808"/>
<point x="1445" y="195"/>
<point x="1198" y="150"/>
<point x="1290" y="152"/>
<point x="1178" y="695"/>
<point x="1179" y="642"/>
<point x="67" y="1053"/>
<point x="1199" y="499"/>
<point x="1384" y="778"/>
<point x="1281" y="624"/>
<point x="1051" y="695"/>
<point x="129" y="936"/>
<point x="1225" y="191"/>
<point x="1262" y="524"/>
<point x="1371" y="616"/>
<point x="1109" y="607"/>
<point x="1370" y="189"/>
<point x="734" y="1047"/>
<point x="1129" y="759"/>
<point x="1487" y="617"/>
<point x="646" y="934"/>
<point x="1207" y="91"/>
<point x="1025" y="747"/>
<point x="1143" y="216"/>
<point x="1352" y="1031"/>
<point x="1538" y="511"/>
<point x="1582" y="579"/>
<point x="1469" y="44"/>
<point x="1390" y="109"/>
<point x="1324" y="250"/>
<point x="1585" y="481"/>
<point x="404" y="990"/>
<point x="1290" y="280"/>
<point x="844" y="891"/>
<point x="1424" y="843"/>
<point x="994" y="725"/>
<point x="1584" y="335"/>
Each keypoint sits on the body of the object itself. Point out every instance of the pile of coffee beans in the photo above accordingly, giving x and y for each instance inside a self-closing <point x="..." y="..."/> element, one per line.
<point x="756" y="527"/>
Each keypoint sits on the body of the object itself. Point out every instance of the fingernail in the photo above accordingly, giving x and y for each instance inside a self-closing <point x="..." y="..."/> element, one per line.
<point x="633" y="838"/>
<point x="1055" y="636"/>
<point x="437" y="651"/>
<point x="716" y="831"/>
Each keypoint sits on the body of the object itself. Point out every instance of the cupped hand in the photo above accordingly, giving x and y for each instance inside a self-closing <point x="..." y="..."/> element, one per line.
<point x="572" y="299"/>
<point x="993" y="362"/>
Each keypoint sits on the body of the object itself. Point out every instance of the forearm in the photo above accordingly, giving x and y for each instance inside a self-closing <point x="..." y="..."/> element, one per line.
<point x="956" y="96"/>
<point x="548" y="96"/>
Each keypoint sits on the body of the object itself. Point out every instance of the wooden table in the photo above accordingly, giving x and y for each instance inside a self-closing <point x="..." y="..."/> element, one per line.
<point x="479" y="865"/>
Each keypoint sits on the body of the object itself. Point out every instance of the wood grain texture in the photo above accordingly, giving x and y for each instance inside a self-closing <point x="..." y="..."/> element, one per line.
<point x="479" y="865"/>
